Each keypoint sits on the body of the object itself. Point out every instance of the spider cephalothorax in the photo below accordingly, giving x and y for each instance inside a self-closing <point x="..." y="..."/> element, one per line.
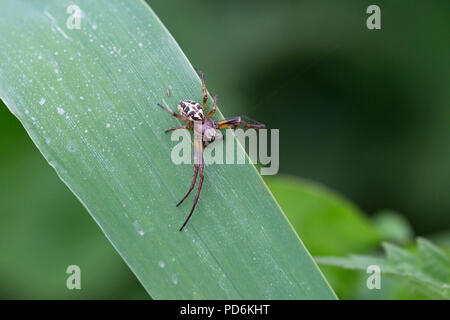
<point x="193" y="114"/>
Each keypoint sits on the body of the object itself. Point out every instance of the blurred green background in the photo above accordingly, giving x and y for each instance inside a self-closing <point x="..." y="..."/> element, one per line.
<point x="363" y="112"/>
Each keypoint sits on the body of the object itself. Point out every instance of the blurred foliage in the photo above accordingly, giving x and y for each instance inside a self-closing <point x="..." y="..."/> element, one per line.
<point x="428" y="270"/>
<point x="363" y="112"/>
<point x="331" y="226"/>
<point x="327" y="223"/>
<point x="393" y="226"/>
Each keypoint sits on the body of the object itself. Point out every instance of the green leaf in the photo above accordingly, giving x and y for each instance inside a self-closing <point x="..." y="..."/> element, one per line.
<point x="427" y="271"/>
<point x="87" y="97"/>
<point x="327" y="223"/>
<point x="434" y="260"/>
<point x="398" y="255"/>
<point x="392" y="226"/>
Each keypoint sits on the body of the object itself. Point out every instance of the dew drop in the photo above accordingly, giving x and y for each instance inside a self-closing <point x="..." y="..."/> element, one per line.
<point x="72" y="147"/>
<point x="174" y="279"/>
<point x="138" y="228"/>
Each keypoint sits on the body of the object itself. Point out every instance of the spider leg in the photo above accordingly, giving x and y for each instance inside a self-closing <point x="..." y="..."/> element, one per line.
<point x="235" y="121"/>
<point x="205" y="93"/>
<point x="191" y="187"/>
<point x="253" y="124"/>
<point x="176" y="128"/>
<point x="197" y="195"/>
<point x="214" y="107"/>
<point x="174" y="114"/>
<point x="199" y="166"/>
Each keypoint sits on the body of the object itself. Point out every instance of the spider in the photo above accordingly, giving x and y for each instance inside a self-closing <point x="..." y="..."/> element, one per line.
<point x="193" y="113"/>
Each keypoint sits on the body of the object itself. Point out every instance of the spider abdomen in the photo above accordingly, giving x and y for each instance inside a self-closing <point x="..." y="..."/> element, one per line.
<point x="191" y="110"/>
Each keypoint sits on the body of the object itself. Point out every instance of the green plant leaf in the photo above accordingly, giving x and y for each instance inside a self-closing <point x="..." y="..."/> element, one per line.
<point x="87" y="97"/>
<point x="327" y="223"/>
<point x="434" y="260"/>
<point x="392" y="226"/>
<point x="428" y="270"/>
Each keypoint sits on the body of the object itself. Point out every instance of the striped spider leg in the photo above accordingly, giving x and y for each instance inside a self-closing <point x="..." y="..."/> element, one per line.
<point x="243" y="120"/>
